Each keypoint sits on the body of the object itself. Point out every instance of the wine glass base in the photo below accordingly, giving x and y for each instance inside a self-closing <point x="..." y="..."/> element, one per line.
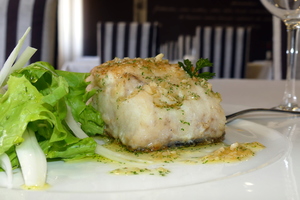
<point x="289" y="108"/>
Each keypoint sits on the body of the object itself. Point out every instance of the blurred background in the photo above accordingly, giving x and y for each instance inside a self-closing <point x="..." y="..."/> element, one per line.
<point x="237" y="36"/>
<point x="182" y="17"/>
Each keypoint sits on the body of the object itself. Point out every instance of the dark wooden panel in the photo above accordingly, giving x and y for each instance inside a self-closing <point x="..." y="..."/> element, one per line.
<point x="102" y="10"/>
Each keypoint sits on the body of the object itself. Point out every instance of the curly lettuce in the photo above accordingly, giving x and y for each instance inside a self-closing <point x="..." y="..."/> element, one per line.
<point x="37" y="97"/>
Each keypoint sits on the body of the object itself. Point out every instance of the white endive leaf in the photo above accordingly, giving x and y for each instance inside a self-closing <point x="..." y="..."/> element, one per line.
<point x="32" y="160"/>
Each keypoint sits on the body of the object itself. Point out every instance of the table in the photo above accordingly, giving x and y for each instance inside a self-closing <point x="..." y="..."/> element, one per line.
<point x="259" y="69"/>
<point x="82" y="64"/>
<point x="279" y="180"/>
<point x="251" y="92"/>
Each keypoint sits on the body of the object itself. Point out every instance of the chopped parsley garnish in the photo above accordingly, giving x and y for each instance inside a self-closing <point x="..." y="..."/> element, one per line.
<point x="194" y="71"/>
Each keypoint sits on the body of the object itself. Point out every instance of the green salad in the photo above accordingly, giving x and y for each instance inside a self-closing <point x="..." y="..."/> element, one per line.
<point x="37" y="98"/>
<point x="44" y="116"/>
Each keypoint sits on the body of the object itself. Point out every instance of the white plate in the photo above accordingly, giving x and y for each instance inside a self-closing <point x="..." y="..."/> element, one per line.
<point x="91" y="177"/>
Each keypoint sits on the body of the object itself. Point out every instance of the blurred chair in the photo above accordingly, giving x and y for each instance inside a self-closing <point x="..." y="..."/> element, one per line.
<point x="226" y="47"/>
<point x="17" y="15"/>
<point x="179" y="49"/>
<point x="122" y="39"/>
<point x="185" y="46"/>
<point x="170" y="50"/>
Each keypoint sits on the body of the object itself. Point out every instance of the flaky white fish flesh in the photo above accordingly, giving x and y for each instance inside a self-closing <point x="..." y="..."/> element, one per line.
<point x="150" y="104"/>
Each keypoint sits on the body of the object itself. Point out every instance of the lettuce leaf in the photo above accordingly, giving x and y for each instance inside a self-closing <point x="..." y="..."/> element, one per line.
<point x="21" y="104"/>
<point x="89" y="118"/>
<point x="37" y="97"/>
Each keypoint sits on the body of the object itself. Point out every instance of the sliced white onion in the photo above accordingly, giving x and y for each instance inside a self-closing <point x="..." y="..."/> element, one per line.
<point x="23" y="59"/>
<point x="74" y="126"/>
<point x="119" y="157"/>
<point x="32" y="160"/>
<point x="6" y="165"/>
<point x="12" y="57"/>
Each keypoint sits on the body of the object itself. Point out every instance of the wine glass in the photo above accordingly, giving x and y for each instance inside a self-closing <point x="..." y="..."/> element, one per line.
<point x="289" y="12"/>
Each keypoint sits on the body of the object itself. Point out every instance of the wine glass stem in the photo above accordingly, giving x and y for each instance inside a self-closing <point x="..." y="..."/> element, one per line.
<point x="289" y="101"/>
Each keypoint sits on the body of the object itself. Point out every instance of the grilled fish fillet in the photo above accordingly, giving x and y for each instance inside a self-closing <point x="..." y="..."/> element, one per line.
<point x="150" y="104"/>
